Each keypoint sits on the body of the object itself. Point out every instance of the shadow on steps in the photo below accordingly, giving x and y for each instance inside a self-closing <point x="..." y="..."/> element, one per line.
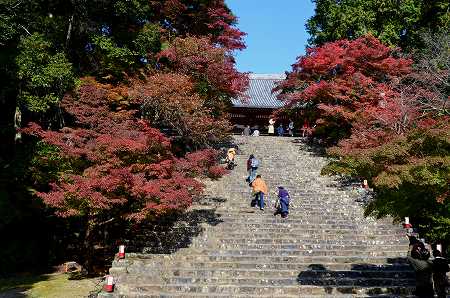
<point x="311" y="147"/>
<point x="171" y="234"/>
<point x="394" y="278"/>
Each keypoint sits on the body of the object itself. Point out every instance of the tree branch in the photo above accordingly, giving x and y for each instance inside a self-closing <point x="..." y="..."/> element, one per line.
<point x="106" y="222"/>
<point x="25" y="29"/>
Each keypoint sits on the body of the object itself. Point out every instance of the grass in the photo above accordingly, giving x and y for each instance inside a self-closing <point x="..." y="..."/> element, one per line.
<point x="54" y="285"/>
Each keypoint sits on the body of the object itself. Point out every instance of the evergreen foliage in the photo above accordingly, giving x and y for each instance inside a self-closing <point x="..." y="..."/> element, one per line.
<point x="395" y="23"/>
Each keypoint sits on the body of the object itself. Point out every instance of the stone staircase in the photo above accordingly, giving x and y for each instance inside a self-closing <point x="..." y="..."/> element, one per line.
<point x="325" y="248"/>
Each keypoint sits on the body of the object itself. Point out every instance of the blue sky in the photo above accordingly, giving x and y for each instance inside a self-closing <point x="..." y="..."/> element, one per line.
<point x="276" y="33"/>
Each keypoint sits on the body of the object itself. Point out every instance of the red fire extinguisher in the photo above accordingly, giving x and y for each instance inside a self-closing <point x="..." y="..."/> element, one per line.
<point x="121" y="254"/>
<point x="109" y="285"/>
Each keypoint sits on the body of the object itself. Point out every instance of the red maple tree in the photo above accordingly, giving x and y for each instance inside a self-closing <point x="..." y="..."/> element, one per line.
<point x="212" y="67"/>
<point x="211" y="19"/>
<point x="338" y="81"/>
<point x="122" y="169"/>
<point x="170" y="100"/>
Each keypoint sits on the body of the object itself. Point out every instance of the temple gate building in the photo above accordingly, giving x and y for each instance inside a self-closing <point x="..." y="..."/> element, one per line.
<point x="259" y="104"/>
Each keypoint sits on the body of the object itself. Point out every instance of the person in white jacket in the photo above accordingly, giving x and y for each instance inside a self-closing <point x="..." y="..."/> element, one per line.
<point x="271" y="130"/>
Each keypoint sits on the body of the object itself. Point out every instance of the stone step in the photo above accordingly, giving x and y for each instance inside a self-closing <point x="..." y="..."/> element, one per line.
<point x="276" y="220"/>
<point x="254" y="214"/>
<point x="356" y="274"/>
<point x="329" y="200"/>
<point x="224" y="281"/>
<point x="296" y="253"/>
<point x="294" y="231"/>
<point x="309" y="242"/>
<point x="302" y="237"/>
<point x="271" y="273"/>
<point x="304" y="202"/>
<point x="298" y="199"/>
<point x="246" y="211"/>
<point x="295" y="212"/>
<point x="301" y="204"/>
<point x="158" y="265"/>
<point x="297" y="247"/>
<point x="193" y="258"/>
<point x="292" y="252"/>
<point x="279" y="224"/>
<point x="218" y="295"/>
<point x="279" y="291"/>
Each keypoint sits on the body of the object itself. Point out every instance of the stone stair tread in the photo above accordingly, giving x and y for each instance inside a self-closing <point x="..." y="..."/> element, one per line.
<point x="280" y="291"/>
<point x="218" y="295"/>
<point x="232" y="280"/>
<point x="281" y="259"/>
<point x="252" y="251"/>
<point x="285" y="258"/>
<point x="298" y="246"/>
<point x="306" y="241"/>
<point x="275" y="274"/>
<point x="184" y="270"/>
<point x="217" y="266"/>
<point x="307" y="236"/>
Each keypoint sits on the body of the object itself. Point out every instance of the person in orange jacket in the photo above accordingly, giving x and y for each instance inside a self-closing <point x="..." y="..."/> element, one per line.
<point x="259" y="189"/>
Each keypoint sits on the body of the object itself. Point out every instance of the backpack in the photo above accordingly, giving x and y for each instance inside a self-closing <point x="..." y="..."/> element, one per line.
<point x="255" y="163"/>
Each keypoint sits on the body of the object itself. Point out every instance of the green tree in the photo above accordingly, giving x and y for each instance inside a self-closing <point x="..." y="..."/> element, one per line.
<point x="43" y="77"/>
<point x="394" y="22"/>
<point x="410" y="176"/>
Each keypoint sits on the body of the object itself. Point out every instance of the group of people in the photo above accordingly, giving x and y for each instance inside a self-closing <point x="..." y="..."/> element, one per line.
<point x="280" y="128"/>
<point x="260" y="190"/>
<point x="428" y="272"/>
<point x="248" y="132"/>
<point x="280" y="131"/>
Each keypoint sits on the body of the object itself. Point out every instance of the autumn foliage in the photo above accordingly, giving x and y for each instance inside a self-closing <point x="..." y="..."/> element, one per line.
<point x="340" y="80"/>
<point x="388" y="119"/>
<point x="170" y="100"/>
<point x="201" y="59"/>
<point x="200" y="18"/>
<point x="211" y="68"/>
<point x="122" y="105"/>
<point x="121" y="168"/>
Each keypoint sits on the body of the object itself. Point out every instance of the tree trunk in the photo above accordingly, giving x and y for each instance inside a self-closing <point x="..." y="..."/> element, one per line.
<point x="7" y="131"/>
<point x="88" y="252"/>
<point x="69" y="31"/>
<point x="18" y="124"/>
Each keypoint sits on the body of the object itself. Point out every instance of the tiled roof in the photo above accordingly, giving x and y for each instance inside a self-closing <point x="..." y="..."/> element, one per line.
<point x="259" y="92"/>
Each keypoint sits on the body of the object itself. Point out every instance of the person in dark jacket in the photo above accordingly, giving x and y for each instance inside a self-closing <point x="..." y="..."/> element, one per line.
<point x="283" y="202"/>
<point x="252" y="167"/>
<point x="280" y="130"/>
<point x="440" y="269"/>
<point x="418" y="257"/>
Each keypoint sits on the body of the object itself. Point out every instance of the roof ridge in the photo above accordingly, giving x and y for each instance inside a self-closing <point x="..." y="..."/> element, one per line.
<point x="267" y="76"/>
